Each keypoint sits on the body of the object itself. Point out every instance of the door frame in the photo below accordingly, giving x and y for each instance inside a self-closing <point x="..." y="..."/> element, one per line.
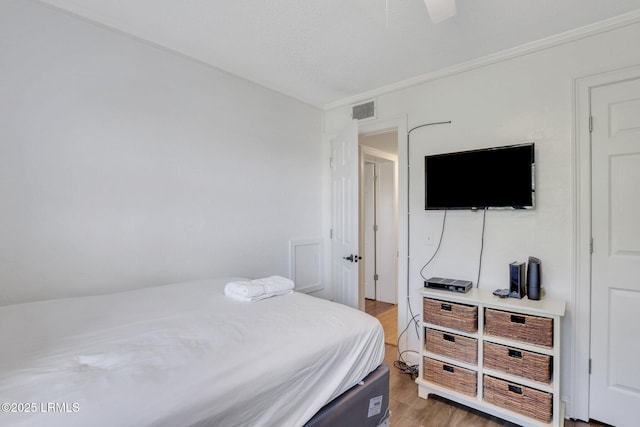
<point x="364" y="152"/>
<point x="581" y="333"/>
<point x="401" y="125"/>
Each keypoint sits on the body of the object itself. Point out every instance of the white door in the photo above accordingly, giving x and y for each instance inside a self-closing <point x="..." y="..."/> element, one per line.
<point x="369" y="230"/>
<point x="386" y="242"/>
<point x="344" y="195"/>
<point x="379" y="231"/>
<point x="614" y="392"/>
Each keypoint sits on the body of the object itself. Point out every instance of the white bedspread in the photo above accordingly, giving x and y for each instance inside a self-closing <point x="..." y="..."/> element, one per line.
<point x="180" y="355"/>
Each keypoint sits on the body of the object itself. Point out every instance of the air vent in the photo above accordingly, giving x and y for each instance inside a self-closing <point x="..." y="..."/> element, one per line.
<point x="366" y="110"/>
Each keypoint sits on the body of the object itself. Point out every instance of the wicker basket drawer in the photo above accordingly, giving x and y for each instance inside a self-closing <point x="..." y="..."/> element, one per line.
<point x="452" y="377"/>
<point x="450" y="315"/>
<point x="520" y="327"/>
<point x="454" y="346"/>
<point x="518" y="398"/>
<point x="514" y="361"/>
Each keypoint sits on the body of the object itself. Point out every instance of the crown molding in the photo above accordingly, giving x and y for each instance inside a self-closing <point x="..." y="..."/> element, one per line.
<point x="610" y="24"/>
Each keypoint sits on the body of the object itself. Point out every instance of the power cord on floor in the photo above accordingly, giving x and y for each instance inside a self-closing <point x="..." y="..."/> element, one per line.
<point x="401" y="364"/>
<point x="405" y="368"/>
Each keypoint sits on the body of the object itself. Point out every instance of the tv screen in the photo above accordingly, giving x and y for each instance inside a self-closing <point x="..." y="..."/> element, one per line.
<point x="499" y="177"/>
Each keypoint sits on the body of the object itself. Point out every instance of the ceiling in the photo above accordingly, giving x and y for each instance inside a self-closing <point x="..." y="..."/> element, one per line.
<point x="325" y="52"/>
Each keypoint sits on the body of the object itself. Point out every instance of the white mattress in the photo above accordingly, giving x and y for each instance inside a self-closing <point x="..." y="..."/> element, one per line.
<point x="180" y="355"/>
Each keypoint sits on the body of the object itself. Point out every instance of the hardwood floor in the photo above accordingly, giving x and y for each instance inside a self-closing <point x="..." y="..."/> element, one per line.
<point x="374" y="307"/>
<point x="408" y="409"/>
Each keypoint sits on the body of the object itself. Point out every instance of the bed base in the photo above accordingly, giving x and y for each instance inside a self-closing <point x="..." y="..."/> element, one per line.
<point x="363" y="405"/>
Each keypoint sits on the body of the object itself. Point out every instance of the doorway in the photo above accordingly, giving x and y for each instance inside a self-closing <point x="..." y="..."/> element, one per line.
<point x="379" y="216"/>
<point x="336" y="255"/>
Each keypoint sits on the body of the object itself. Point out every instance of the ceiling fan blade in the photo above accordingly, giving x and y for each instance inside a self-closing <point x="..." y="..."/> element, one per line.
<point x="440" y="10"/>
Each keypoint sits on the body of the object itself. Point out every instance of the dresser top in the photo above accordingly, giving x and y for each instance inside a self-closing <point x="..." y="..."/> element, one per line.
<point x="545" y="306"/>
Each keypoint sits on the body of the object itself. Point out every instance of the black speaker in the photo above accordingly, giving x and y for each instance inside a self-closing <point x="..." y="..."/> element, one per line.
<point x="517" y="288"/>
<point x="534" y="278"/>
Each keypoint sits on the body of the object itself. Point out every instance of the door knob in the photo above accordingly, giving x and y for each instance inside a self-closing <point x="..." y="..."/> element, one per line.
<point x="352" y="258"/>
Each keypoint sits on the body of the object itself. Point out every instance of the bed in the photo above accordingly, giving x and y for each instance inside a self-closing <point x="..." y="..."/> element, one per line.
<point x="184" y="355"/>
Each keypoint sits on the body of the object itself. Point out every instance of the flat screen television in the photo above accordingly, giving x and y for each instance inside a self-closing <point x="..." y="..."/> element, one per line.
<point x="490" y="178"/>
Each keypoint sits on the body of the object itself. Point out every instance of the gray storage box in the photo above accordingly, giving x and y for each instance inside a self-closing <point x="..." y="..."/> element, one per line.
<point x="363" y="405"/>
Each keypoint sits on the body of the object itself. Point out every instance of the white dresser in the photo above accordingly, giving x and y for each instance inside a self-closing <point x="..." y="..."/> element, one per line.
<point x="500" y="356"/>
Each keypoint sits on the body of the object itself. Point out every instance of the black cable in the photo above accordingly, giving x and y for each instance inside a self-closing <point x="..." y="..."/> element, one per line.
<point x="484" y="221"/>
<point x="404" y="368"/>
<point x="400" y="364"/>
<point x="444" y="221"/>
<point x="409" y="200"/>
<point x="415" y="322"/>
<point x="409" y="206"/>
<point x="416" y="325"/>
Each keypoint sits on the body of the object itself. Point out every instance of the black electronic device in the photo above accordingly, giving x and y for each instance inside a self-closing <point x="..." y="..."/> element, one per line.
<point x="490" y="178"/>
<point x="517" y="288"/>
<point x="502" y="293"/>
<point x="453" y="285"/>
<point x="534" y="278"/>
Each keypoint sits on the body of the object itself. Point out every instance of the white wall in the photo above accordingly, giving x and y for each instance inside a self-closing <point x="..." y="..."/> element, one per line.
<point x="123" y="165"/>
<point x="383" y="141"/>
<point x="526" y="98"/>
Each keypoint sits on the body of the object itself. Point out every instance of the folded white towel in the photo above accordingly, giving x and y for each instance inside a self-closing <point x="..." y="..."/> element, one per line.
<point x="243" y="289"/>
<point x="259" y="297"/>
<point x="274" y="284"/>
<point x="258" y="289"/>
